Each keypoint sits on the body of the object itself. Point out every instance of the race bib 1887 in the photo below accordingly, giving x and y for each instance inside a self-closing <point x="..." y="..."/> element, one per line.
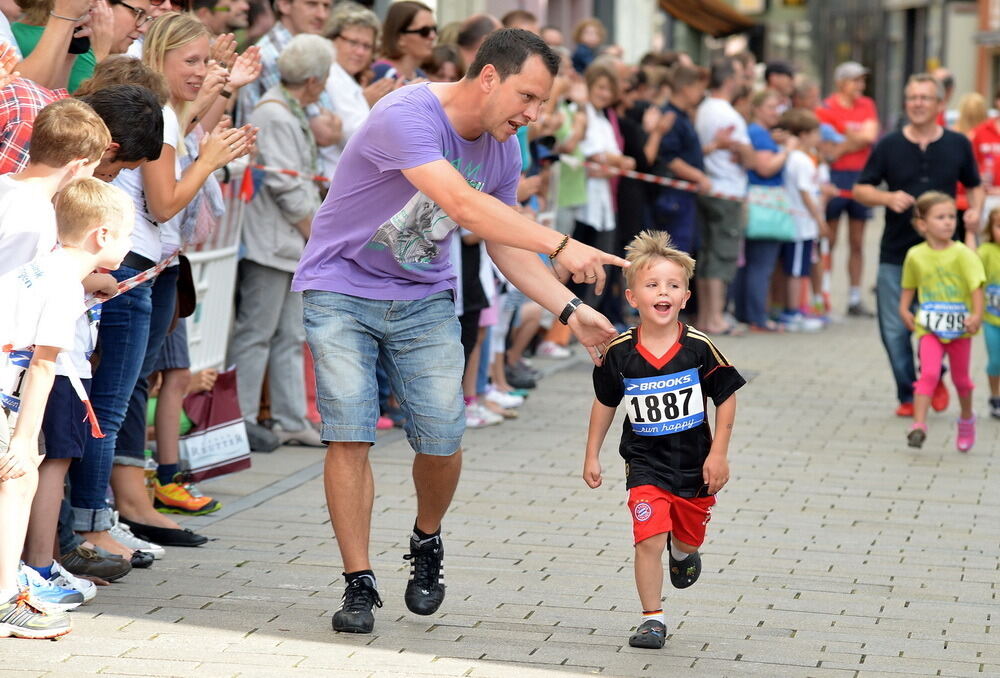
<point x="946" y="319"/>
<point x="665" y="404"/>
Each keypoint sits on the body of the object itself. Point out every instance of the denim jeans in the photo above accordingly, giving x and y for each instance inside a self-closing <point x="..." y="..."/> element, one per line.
<point x="130" y="449"/>
<point x="895" y="336"/>
<point x="123" y="336"/>
<point x="753" y="281"/>
<point x="418" y="343"/>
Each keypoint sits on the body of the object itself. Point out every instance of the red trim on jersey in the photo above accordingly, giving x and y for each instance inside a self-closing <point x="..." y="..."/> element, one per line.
<point x="659" y="362"/>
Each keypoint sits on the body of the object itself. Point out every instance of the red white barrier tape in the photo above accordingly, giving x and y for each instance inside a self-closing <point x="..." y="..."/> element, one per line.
<point x="292" y="173"/>
<point x="136" y="280"/>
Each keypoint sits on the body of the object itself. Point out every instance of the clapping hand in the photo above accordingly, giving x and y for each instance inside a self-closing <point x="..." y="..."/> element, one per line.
<point x="8" y="65"/>
<point x="246" y="68"/>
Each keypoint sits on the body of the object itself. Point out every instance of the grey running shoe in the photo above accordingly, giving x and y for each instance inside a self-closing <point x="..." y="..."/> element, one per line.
<point x="21" y="620"/>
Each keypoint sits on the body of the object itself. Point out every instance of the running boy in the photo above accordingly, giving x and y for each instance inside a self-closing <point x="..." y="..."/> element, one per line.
<point x="41" y="302"/>
<point x="948" y="279"/>
<point x="665" y="371"/>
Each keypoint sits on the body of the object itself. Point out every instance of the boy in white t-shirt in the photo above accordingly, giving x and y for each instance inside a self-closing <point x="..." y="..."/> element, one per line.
<point x="803" y="182"/>
<point x="40" y="303"/>
<point x="67" y="141"/>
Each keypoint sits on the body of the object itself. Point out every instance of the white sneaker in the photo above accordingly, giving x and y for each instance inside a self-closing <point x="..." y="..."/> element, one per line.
<point x="550" y="349"/>
<point x="67" y="580"/>
<point x="504" y="400"/>
<point x="122" y="534"/>
<point x="801" y="323"/>
<point x="477" y="416"/>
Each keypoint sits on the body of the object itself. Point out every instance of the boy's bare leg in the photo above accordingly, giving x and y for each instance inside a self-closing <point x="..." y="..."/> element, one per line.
<point x="43" y="523"/>
<point x="15" y="507"/>
<point x="350" y="494"/>
<point x="435" y="478"/>
<point x="649" y="571"/>
<point x="855" y="241"/>
<point x="921" y="403"/>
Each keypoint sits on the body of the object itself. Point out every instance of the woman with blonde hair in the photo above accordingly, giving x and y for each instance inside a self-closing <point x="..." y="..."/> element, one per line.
<point x="971" y="113"/>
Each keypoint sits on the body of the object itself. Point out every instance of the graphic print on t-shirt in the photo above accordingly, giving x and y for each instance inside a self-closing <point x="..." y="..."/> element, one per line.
<point x="665" y="404"/>
<point x="413" y="235"/>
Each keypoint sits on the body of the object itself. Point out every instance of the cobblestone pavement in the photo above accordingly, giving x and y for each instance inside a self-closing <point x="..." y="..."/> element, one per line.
<point x="835" y="551"/>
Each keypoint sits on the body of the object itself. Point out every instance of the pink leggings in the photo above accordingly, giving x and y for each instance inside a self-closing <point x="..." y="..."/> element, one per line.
<point x="932" y="350"/>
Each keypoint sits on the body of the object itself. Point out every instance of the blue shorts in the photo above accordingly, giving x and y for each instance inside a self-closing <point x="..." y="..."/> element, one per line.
<point x="417" y="343"/>
<point x="64" y="426"/>
<point x="845" y="180"/>
<point x="796" y="258"/>
<point x="174" y="355"/>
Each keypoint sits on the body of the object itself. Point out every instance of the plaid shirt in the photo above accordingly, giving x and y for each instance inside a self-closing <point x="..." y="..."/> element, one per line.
<point x="270" y="46"/>
<point x="20" y="103"/>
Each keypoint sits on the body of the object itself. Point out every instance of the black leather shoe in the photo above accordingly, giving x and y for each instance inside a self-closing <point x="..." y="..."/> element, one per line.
<point x="141" y="560"/>
<point x="164" y="536"/>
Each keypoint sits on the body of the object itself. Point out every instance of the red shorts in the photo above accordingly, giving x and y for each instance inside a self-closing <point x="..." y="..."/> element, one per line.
<point x="655" y="511"/>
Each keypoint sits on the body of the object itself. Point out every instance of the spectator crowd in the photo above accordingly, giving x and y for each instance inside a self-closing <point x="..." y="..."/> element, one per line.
<point x="118" y="119"/>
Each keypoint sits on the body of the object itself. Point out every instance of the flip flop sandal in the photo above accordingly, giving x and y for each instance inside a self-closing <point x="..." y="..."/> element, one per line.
<point x="685" y="572"/>
<point x="650" y="635"/>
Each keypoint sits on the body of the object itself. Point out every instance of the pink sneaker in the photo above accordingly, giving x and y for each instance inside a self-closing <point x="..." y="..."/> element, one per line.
<point x="966" y="434"/>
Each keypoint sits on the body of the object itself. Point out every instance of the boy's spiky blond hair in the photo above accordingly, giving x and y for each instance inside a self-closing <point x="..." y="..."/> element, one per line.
<point x="651" y="245"/>
<point x="86" y="203"/>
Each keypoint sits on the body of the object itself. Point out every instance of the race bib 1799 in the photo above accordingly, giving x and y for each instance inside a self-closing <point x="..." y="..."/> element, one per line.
<point x="665" y="404"/>
<point x="946" y="319"/>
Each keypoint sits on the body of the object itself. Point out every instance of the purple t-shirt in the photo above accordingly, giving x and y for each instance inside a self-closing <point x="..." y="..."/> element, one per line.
<point x="376" y="236"/>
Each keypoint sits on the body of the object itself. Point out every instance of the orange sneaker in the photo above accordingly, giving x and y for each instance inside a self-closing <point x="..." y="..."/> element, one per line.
<point x="939" y="401"/>
<point x="182" y="497"/>
<point x="904" y="410"/>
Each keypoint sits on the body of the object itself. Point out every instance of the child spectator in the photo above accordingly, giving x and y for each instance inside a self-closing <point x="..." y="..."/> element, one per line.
<point x="989" y="252"/>
<point x="588" y="36"/>
<point x="948" y="279"/>
<point x="803" y="181"/>
<point x="43" y="300"/>
<point x="665" y="371"/>
<point x="68" y="141"/>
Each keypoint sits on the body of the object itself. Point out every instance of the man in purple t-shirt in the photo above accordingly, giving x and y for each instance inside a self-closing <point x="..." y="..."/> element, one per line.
<point x="378" y="288"/>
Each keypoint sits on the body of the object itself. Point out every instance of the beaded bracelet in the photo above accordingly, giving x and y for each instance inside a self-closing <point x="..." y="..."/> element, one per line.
<point x="559" y="249"/>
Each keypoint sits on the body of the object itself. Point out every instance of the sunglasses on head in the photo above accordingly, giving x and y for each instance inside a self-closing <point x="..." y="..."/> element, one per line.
<point x="423" y="32"/>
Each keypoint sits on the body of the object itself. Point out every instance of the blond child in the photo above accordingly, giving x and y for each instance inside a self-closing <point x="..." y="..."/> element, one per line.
<point x="664" y="371"/>
<point x="989" y="253"/>
<point x="41" y="302"/>
<point x="947" y="278"/>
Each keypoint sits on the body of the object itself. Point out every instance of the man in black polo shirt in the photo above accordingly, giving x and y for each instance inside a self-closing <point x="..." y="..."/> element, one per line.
<point x="680" y="154"/>
<point x="920" y="157"/>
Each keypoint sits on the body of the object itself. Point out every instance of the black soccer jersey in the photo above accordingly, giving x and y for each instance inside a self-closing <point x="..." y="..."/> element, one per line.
<point x="666" y="437"/>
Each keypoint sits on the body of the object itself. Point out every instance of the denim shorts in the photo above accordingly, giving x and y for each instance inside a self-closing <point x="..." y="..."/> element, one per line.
<point x="417" y="343"/>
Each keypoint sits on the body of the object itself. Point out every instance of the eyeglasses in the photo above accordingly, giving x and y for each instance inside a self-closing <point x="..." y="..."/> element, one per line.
<point x="921" y="97"/>
<point x="141" y="17"/>
<point x="423" y="31"/>
<point x="357" y="44"/>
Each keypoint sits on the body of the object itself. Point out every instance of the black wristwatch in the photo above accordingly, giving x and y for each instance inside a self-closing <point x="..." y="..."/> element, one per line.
<point x="568" y="311"/>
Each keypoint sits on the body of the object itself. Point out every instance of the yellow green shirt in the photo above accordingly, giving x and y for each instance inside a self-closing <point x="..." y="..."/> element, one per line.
<point x="944" y="280"/>
<point x="989" y="252"/>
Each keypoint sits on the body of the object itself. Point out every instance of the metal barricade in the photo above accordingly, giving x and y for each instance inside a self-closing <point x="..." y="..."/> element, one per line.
<point x="213" y="267"/>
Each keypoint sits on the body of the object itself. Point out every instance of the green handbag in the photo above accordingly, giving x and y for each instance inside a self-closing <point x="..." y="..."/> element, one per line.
<point x="769" y="215"/>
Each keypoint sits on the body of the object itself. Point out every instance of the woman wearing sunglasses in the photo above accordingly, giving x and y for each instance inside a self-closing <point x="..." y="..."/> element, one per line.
<point x="408" y="35"/>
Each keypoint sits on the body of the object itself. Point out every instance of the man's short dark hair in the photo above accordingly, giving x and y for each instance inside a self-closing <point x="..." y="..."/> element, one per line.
<point x="475" y="29"/>
<point x="134" y="118"/>
<point x="722" y="69"/>
<point x="508" y="49"/>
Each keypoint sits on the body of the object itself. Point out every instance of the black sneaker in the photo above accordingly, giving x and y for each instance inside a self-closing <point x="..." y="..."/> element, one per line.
<point x="355" y="615"/>
<point x="684" y="573"/>
<point x="425" y="592"/>
<point x="859" y="310"/>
